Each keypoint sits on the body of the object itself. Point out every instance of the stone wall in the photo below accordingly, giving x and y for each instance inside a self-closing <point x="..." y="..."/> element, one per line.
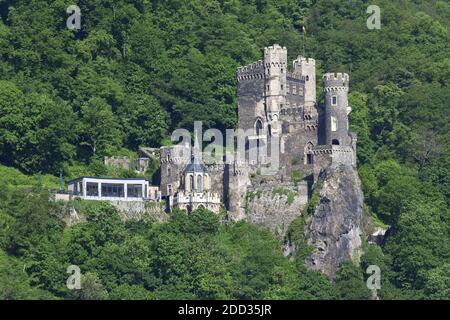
<point x="122" y="162"/>
<point x="216" y="173"/>
<point x="141" y="210"/>
<point x="173" y="160"/>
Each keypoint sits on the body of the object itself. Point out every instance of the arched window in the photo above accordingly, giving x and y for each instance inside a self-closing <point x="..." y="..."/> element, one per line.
<point x="258" y="127"/>
<point x="191" y="183"/>
<point x="199" y="183"/>
<point x="308" y="155"/>
<point x="335" y="142"/>
<point x="259" y="132"/>
<point x="205" y="182"/>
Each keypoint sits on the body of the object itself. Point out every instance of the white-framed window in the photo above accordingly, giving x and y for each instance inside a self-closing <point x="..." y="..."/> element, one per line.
<point x="334" y="100"/>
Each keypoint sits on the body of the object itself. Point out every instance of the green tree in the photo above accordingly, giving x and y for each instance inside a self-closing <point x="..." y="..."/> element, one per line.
<point x="350" y="283"/>
<point x="144" y="120"/>
<point x="98" y="127"/>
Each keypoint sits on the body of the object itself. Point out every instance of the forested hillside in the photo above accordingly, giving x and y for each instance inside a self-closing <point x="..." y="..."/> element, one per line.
<point x="139" y="69"/>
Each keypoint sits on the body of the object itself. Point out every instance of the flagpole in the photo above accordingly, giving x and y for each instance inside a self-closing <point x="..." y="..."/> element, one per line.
<point x="304" y="31"/>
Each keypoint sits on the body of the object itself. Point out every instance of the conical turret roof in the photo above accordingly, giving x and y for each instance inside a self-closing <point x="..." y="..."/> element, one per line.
<point x="195" y="165"/>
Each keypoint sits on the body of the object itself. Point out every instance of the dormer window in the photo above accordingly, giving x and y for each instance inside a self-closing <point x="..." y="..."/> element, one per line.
<point x="334" y="100"/>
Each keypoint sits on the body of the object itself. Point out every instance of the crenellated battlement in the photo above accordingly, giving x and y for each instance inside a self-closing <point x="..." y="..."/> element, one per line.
<point x="331" y="76"/>
<point x="303" y="61"/>
<point x="336" y="79"/>
<point x="177" y="154"/>
<point x="251" y="67"/>
<point x="331" y="149"/>
<point x="276" y="48"/>
<point x="250" y="76"/>
<point x="275" y="56"/>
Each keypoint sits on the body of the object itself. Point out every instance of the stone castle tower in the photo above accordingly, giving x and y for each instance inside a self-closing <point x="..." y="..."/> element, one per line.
<point x="278" y="110"/>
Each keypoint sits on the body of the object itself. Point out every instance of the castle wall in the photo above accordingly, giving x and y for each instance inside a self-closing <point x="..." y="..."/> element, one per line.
<point x="216" y="173"/>
<point x="251" y="95"/>
<point x="173" y="160"/>
<point x="237" y="179"/>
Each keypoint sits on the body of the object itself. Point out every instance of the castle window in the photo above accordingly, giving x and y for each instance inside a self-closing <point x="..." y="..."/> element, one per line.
<point x="334" y="100"/>
<point x="335" y="142"/>
<point x="191" y="183"/>
<point x="307" y="78"/>
<point x="334" y="124"/>
<point x="282" y="70"/>
<point x="282" y="87"/>
<point x="258" y="127"/>
<point x="268" y="88"/>
<point x="168" y="171"/>
<point x="199" y="183"/>
<point x="308" y="153"/>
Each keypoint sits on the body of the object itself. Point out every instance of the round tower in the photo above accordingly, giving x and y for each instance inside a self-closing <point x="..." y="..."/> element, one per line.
<point x="336" y="109"/>
<point x="275" y="64"/>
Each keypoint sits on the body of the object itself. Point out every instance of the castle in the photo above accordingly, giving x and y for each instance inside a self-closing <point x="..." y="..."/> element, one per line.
<point x="273" y="102"/>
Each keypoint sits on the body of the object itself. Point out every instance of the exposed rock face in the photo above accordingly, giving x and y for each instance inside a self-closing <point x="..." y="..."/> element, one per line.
<point x="334" y="229"/>
<point x="378" y="236"/>
<point x="274" y="204"/>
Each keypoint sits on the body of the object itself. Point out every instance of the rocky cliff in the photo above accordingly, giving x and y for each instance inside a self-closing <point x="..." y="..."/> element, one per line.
<point x="274" y="204"/>
<point x="333" y="230"/>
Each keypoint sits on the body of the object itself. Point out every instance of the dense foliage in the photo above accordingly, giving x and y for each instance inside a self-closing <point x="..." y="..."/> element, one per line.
<point x="139" y="69"/>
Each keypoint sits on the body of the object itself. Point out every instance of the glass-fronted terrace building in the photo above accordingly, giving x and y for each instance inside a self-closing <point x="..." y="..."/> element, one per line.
<point x="117" y="189"/>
